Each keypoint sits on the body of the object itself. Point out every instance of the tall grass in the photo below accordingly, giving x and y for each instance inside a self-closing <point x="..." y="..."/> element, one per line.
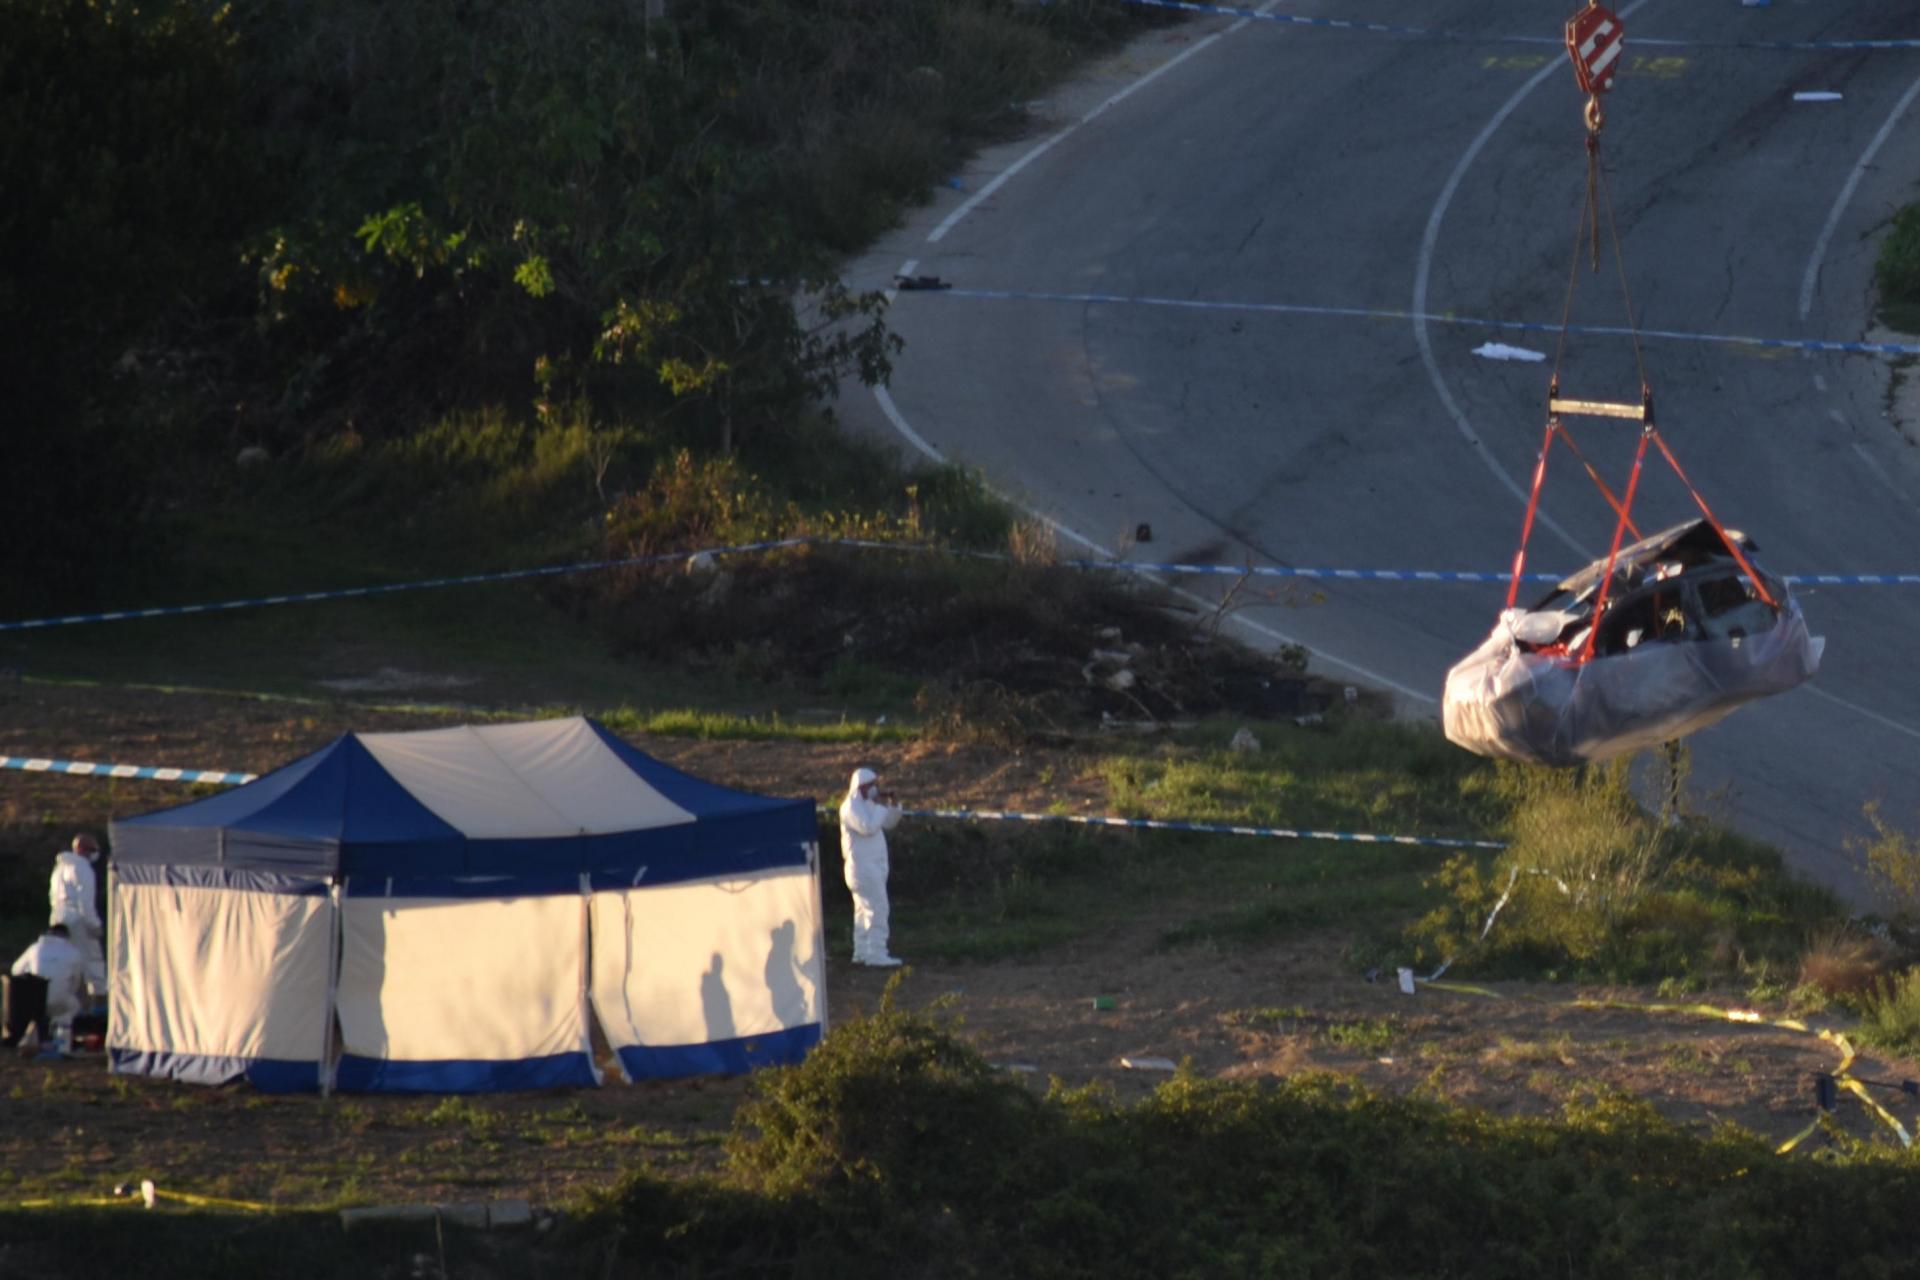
<point x="1890" y="1014"/>
<point x="1592" y="883"/>
<point x="721" y="726"/>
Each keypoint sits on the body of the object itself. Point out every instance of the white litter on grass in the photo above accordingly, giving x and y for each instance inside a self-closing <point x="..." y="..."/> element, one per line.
<point x="1816" y="95"/>
<point x="1501" y="351"/>
<point x="1150" y="1064"/>
<point x="394" y="680"/>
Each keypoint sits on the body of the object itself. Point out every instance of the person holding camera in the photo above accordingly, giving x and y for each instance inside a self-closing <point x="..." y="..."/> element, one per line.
<point x="866" y="815"/>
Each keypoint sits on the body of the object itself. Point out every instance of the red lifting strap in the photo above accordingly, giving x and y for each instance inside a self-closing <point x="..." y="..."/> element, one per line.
<point x="1613" y="552"/>
<point x="1556" y="428"/>
<point x="1732" y="546"/>
<point x="1533" y="505"/>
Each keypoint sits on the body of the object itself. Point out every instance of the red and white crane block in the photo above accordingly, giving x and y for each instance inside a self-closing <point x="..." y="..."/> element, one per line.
<point x="1595" y="39"/>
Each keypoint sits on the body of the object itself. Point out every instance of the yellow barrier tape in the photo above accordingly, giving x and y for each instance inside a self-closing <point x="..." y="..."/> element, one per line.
<point x="217" y="1202"/>
<point x="1750" y="1017"/>
<point x="184" y="1197"/>
<point x="1463" y="989"/>
<point x="1798" y="1138"/>
<point x="1855" y="1087"/>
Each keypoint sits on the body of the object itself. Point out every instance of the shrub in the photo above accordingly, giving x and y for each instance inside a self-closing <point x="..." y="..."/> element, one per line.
<point x="1843" y="962"/>
<point x="1890" y="1014"/>
<point x="892" y="1105"/>
<point x="1893" y="865"/>
<point x="896" y="1150"/>
<point x="1592" y="882"/>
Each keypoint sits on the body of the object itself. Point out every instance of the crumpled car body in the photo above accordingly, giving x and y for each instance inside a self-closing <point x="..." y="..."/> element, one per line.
<point x="1684" y="640"/>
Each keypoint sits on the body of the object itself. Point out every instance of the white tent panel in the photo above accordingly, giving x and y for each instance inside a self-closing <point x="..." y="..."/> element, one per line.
<point x="707" y="962"/>
<point x="522" y="781"/>
<point x="226" y="976"/>
<point x="471" y="979"/>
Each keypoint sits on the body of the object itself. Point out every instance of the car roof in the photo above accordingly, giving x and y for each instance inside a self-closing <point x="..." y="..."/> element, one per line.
<point x="1692" y="542"/>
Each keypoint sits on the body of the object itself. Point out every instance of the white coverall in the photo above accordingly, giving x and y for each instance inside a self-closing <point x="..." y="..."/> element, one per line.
<point x="61" y="964"/>
<point x="864" y="823"/>
<point x="71" y="898"/>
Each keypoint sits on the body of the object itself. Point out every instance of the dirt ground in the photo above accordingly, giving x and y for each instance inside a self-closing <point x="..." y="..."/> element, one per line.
<point x="69" y="1127"/>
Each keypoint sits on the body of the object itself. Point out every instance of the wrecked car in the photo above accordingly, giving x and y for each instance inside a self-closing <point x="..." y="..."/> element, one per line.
<point x="1684" y="636"/>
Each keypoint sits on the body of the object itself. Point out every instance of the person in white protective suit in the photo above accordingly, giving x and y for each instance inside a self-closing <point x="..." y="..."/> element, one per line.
<point x="54" y="958"/>
<point x="865" y="819"/>
<point x="71" y="899"/>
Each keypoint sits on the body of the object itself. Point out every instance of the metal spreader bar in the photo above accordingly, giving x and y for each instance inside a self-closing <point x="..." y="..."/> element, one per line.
<point x="1598" y="408"/>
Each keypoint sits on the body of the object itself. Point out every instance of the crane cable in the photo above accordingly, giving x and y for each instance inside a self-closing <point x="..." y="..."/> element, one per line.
<point x="1597" y="199"/>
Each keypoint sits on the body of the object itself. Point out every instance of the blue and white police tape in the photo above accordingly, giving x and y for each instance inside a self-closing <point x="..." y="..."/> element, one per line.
<point x="1126" y="566"/>
<point x="344" y="593"/>
<point x="1819" y="345"/>
<point x="1205" y="828"/>
<point x="1481" y="37"/>
<point x="89" y="769"/>
<point x="1449" y="575"/>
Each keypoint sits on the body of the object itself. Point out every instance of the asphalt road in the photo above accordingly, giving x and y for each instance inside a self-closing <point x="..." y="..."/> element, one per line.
<point x="1310" y="231"/>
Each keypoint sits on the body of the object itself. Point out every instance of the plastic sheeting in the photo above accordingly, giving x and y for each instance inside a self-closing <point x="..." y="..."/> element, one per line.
<point x="1504" y="701"/>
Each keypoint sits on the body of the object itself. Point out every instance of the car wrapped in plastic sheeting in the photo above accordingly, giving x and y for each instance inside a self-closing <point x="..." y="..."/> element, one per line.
<point x="1684" y="637"/>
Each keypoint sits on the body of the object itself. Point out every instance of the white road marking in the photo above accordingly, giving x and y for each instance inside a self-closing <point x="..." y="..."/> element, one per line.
<point x="1423" y="271"/>
<point x="1874" y="716"/>
<point x="1845" y="197"/>
<point x="1873" y="464"/>
<point x="900" y="423"/>
<point x="1769" y="348"/>
<point x="973" y="202"/>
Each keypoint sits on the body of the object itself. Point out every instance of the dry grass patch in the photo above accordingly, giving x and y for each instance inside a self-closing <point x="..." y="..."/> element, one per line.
<point x="1844" y="962"/>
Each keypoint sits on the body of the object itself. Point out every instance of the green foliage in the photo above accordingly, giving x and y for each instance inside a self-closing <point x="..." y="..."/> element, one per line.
<point x="1893" y="865"/>
<point x="1362" y="777"/>
<point x="891" y="1107"/>
<point x="114" y="117"/>
<point x="1592" y="883"/>
<point x="718" y="726"/>
<point x="1897" y="270"/>
<point x="278" y="225"/>
<point x="895" y="1148"/>
<point x="1890" y="1015"/>
<point x="470" y="483"/>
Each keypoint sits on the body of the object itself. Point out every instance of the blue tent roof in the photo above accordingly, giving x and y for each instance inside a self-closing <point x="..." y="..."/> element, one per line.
<point x="341" y="812"/>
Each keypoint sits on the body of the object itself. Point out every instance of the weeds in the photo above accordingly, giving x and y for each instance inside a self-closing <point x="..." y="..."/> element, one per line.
<point x="1364" y="1035"/>
<point x="1841" y="962"/>
<point x="895" y="1144"/>
<point x="1890" y="1014"/>
<point x="1893" y="860"/>
<point x="1593" y="884"/>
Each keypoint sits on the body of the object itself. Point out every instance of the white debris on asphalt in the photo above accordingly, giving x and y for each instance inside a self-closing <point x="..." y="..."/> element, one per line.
<point x="1501" y="351"/>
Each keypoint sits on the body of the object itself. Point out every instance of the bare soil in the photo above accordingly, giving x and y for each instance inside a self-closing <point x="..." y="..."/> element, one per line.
<point x="1271" y="1011"/>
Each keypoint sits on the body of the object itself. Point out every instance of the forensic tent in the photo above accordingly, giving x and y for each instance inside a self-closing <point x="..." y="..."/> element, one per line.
<point x="449" y="910"/>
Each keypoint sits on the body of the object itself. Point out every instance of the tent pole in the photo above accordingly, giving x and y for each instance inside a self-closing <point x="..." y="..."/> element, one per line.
<point x="334" y="948"/>
<point x="819" y="930"/>
<point x="586" y="973"/>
